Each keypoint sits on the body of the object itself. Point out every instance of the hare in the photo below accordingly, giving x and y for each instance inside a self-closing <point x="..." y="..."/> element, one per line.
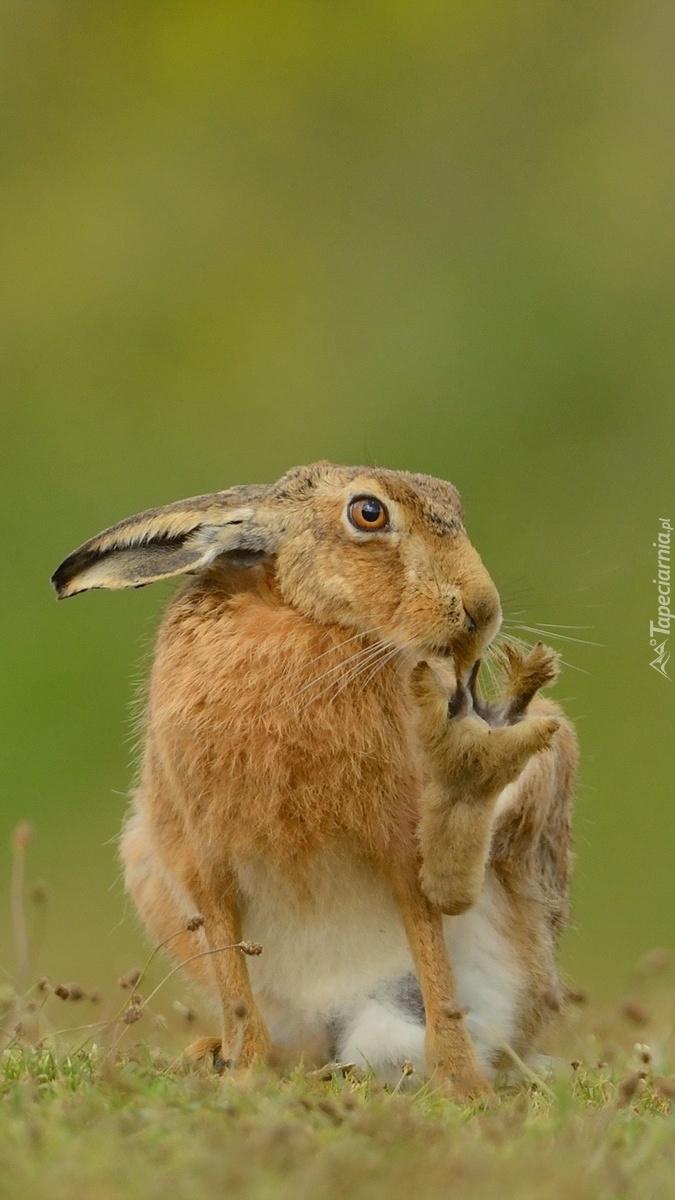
<point x="321" y="776"/>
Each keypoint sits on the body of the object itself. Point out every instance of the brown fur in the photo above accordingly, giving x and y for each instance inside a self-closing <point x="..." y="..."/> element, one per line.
<point x="472" y="758"/>
<point x="275" y="727"/>
<point x="471" y="761"/>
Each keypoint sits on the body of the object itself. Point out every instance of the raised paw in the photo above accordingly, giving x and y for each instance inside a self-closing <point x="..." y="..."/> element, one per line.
<point x="482" y="759"/>
<point x="478" y="747"/>
<point x="513" y="745"/>
<point x="433" y="697"/>
<point x="526" y="669"/>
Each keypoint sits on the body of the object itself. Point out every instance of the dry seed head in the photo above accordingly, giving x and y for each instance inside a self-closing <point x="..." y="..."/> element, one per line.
<point x="130" y="979"/>
<point x="643" y="1052"/>
<point x="195" y="923"/>
<point x="43" y="984"/>
<point x="22" y="834"/>
<point x="629" y="1086"/>
<point x="655" y="960"/>
<point x="252" y="948"/>
<point x="132" y="1014"/>
<point x="188" y="1014"/>
<point x="576" y="996"/>
<point x="635" y="1012"/>
<point x="575" y="1064"/>
<point x="61" y="991"/>
<point x="75" y="991"/>
<point x="407" y="1068"/>
<point x="136" y="998"/>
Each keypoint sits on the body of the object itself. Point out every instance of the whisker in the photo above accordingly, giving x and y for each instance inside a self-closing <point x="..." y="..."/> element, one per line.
<point x="364" y="662"/>
<point x="365" y="650"/>
<point x="488" y="661"/>
<point x="564" y="637"/>
<point x="382" y="663"/>
<point x="518" y="641"/>
<point x="339" y="645"/>
<point x="552" y="624"/>
<point x="379" y="660"/>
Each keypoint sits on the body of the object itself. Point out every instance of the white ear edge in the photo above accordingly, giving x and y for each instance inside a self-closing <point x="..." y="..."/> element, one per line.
<point x="141" y="551"/>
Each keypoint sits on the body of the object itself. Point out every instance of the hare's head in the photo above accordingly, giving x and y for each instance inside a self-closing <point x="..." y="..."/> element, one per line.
<point x="378" y="552"/>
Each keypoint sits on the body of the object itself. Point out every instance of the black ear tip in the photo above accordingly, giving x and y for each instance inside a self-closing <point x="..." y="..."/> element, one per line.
<point x="60" y="579"/>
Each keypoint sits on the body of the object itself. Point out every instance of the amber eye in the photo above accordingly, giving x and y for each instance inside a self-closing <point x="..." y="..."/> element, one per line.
<point x="368" y="513"/>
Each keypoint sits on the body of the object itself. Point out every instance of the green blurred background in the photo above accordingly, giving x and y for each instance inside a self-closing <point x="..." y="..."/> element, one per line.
<point x="238" y="237"/>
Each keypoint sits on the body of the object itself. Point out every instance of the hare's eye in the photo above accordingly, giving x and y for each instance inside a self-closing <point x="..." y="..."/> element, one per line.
<point x="368" y="513"/>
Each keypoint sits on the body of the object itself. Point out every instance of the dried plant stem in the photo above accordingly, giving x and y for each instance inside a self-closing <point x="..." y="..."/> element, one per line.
<point x="155" y="952"/>
<point x="19" y="841"/>
<point x="179" y="966"/>
<point x="112" y="1021"/>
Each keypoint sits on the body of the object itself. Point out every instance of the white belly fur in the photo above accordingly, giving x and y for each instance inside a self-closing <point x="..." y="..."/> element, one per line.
<point x="323" y="957"/>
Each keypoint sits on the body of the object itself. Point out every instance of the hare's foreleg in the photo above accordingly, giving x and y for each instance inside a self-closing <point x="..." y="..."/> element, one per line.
<point x="474" y="752"/>
<point x="449" y="1051"/>
<point x="244" y="1037"/>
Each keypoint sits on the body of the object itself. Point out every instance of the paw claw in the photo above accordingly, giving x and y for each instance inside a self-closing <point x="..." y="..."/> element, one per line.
<point x="207" y="1050"/>
<point x="526" y="670"/>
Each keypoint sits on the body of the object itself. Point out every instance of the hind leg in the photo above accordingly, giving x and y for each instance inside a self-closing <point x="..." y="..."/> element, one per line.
<point x="163" y="901"/>
<point x="165" y="913"/>
<point x="162" y="904"/>
<point x="531" y="856"/>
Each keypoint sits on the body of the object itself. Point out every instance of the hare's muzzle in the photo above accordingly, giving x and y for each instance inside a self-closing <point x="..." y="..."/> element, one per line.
<point x="474" y="621"/>
<point x="482" y="611"/>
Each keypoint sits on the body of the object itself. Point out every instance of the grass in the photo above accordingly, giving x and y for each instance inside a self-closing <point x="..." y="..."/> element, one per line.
<point x="107" y="1126"/>
<point x="109" y="1109"/>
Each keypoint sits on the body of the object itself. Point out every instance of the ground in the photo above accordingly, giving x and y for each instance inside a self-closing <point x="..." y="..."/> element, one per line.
<point x="98" y="1101"/>
<point x="111" y="1123"/>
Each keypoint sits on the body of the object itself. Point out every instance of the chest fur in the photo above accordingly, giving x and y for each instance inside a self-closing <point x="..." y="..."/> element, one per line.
<point x="283" y="735"/>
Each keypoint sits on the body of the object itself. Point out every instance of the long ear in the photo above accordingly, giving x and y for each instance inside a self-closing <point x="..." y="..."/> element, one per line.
<point x="180" y="538"/>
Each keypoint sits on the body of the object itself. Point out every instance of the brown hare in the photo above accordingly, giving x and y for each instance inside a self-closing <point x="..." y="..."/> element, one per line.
<point x="321" y="776"/>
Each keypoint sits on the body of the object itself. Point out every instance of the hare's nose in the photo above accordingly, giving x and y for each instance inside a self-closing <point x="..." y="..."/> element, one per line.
<point x="470" y="622"/>
<point x="482" y="610"/>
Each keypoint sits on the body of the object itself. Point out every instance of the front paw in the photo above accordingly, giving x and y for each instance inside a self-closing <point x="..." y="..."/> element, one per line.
<point x="431" y="697"/>
<point x="476" y="760"/>
<point x="525" y="670"/>
<point x="453" y="891"/>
